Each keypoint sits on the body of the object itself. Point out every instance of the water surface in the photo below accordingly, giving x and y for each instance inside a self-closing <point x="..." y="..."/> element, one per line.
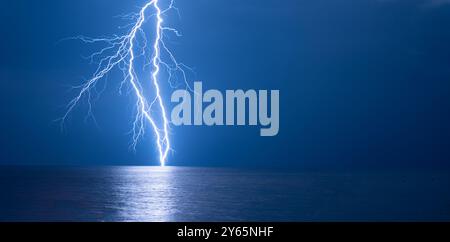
<point x="208" y="194"/>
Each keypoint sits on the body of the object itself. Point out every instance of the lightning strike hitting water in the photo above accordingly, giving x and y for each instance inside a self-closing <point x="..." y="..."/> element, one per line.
<point x="123" y="54"/>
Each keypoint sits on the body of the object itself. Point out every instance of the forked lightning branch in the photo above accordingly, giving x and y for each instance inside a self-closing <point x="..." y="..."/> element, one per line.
<point x="123" y="52"/>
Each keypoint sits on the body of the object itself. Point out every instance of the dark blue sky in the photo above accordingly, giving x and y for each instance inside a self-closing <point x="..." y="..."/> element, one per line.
<point x="363" y="83"/>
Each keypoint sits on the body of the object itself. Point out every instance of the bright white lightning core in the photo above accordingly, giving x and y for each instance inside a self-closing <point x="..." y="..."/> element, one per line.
<point x="121" y="52"/>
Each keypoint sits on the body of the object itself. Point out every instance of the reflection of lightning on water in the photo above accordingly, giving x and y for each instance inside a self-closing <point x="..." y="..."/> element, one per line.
<point x="123" y="56"/>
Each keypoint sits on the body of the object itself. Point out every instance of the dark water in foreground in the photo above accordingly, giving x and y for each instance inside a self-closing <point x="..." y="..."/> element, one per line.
<point x="203" y="194"/>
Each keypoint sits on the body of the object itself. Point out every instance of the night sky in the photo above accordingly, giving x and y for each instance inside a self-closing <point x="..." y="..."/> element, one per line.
<point x="363" y="83"/>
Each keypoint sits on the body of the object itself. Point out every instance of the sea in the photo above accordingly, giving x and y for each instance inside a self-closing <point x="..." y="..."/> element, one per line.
<point x="179" y="194"/>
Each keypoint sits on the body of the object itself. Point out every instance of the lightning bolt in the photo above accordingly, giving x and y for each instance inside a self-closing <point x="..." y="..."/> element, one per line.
<point x="121" y="52"/>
